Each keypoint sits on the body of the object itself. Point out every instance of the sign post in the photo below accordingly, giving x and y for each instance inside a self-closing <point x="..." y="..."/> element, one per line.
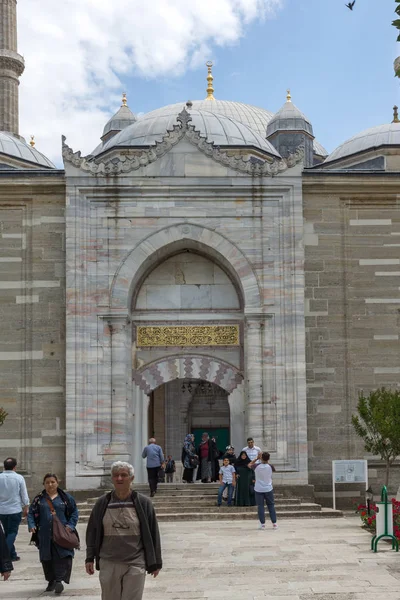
<point x="348" y="471"/>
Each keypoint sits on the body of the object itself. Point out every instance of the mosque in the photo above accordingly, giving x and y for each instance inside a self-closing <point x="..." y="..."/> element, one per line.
<point x="207" y="267"/>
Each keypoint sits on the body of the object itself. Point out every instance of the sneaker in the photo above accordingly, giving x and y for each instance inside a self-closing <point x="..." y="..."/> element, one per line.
<point x="274" y="525"/>
<point x="261" y="526"/>
<point x="51" y="586"/>
<point x="58" y="588"/>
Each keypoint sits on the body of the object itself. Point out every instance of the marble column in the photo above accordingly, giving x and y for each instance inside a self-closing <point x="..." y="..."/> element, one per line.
<point x="254" y="421"/>
<point x="236" y="401"/>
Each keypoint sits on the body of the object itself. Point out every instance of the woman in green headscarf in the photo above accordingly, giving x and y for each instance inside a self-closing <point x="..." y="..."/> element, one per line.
<point x="244" y="482"/>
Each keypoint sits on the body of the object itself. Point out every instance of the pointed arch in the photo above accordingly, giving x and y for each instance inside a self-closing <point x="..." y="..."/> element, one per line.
<point x="192" y="366"/>
<point x="169" y="240"/>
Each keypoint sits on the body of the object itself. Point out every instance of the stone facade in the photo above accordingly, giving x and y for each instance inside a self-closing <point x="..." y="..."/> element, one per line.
<point x="32" y="308"/>
<point x="243" y="232"/>
<point x="352" y="306"/>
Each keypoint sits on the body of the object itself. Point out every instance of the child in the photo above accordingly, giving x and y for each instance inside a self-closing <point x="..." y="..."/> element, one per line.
<point x="227" y="479"/>
<point x="170" y="469"/>
<point x="263" y="488"/>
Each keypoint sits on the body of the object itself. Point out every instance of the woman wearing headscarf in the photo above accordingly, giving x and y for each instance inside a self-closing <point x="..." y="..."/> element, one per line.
<point x="244" y="481"/>
<point x="189" y="458"/>
<point x="56" y="561"/>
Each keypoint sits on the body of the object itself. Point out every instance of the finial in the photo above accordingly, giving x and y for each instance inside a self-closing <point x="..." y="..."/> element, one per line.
<point x="288" y="96"/>
<point x="396" y="114"/>
<point x="32" y="142"/>
<point x="189" y="104"/>
<point x="124" y="100"/>
<point x="210" y="79"/>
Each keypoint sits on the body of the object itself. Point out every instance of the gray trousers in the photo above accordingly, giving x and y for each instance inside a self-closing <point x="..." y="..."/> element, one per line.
<point x="169" y="477"/>
<point x="121" y="581"/>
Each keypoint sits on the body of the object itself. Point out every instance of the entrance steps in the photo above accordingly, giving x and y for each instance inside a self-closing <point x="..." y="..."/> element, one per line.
<point x="198" y="502"/>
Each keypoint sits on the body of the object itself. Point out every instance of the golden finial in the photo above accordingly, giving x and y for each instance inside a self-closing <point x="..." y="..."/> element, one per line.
<point x="210" y="79"/>
<point x="396" y="114"/>
<point x="288" y="96"/>
<point x="124" y="100"/>
<point x="32" y="142"/>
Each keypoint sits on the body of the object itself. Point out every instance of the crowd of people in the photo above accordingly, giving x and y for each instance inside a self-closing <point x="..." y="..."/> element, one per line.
<point x="122" y="536"/>
<point x="245" y="480"/>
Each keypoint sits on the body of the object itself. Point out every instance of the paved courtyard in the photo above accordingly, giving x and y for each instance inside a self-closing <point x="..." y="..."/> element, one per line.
<point x="303" y="560"/>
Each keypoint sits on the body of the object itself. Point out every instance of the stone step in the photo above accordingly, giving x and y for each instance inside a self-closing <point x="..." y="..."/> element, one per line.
<point x="232" y="514"/>
<point x="195" y="498"/>
<point x="85" y="509"/>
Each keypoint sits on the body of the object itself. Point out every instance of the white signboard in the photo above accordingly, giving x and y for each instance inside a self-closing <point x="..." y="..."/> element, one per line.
<point x="348" y="471"/>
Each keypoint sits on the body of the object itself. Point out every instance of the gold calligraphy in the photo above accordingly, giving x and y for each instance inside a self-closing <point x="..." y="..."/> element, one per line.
<point x="188" y="335"/>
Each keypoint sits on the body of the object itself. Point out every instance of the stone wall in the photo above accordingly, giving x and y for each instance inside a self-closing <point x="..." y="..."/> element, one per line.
<point x="352" y="304"/>
<point x="32" y="309"/>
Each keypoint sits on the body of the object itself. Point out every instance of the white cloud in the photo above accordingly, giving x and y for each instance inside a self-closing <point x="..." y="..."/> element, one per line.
<point x="78" y="51"/>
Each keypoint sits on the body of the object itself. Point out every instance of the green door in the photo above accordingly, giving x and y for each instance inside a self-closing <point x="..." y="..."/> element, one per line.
<point x="222" y="437"/>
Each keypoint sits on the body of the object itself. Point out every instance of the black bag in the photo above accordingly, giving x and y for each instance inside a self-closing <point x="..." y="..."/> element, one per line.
<point x="194" y="462"/>
<point x="66" y="538"/>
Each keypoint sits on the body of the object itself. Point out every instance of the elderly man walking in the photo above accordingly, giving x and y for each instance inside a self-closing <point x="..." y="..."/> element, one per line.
<point x="155" y="459"/>
<point x="122" y="538"/>
<point x="14" y="503"/>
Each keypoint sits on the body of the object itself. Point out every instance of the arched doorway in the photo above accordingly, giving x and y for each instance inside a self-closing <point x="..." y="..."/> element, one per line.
<point x="186" y="406"/>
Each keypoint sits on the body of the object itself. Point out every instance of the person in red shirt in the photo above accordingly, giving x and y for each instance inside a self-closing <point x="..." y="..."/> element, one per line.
<point x="207" y="453"/>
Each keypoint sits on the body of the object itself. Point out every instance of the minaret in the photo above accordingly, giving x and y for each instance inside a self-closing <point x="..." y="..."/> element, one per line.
<point x="11" y="67"/>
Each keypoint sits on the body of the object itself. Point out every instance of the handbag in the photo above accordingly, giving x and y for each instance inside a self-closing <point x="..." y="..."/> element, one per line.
<point x="66" y="538"/>
<point x="194" y="462"/>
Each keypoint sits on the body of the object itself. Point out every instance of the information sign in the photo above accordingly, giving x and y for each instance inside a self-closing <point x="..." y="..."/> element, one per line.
<point x="348" y="471"/>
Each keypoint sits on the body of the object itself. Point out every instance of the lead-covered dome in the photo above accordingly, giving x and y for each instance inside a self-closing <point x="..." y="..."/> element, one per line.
<point x="217" y="128"/>
<point x="289" y="118"/>
<point x="369" y="139"/>
<point x="17" y="148"/>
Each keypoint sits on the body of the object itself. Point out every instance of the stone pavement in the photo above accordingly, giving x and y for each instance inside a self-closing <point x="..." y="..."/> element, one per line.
<point x="302" y="560"/>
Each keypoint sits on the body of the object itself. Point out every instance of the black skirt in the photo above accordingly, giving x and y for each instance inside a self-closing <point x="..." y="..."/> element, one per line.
<point x="57" y="569"/>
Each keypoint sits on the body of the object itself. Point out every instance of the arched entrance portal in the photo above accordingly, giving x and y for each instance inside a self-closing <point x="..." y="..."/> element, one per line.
<point x="180" y="393"/>
<point x="186" y="406"/>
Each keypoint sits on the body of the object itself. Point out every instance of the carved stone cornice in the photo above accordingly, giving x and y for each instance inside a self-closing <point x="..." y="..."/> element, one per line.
<point x="125" y="164"/>
<point x="12" y="61"/>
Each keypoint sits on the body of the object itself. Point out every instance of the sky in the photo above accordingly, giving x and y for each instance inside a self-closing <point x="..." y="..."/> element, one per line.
<point x="80" y="55"/>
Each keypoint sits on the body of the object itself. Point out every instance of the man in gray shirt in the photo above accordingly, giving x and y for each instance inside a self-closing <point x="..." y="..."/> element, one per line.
<point x="14" y="503"/>
<point x="155" y="459"/>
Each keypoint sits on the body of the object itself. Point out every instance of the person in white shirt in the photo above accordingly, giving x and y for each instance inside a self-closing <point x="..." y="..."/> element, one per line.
<point x="263" y="488"/>
<point x="251" y="450"/>
<point x="14" y="503"/>
<point x="227" y="479"/>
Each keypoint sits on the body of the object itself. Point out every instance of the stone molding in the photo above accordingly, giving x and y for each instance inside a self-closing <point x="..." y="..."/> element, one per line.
<point x="201" y="367"/>
<point x="216" y="246"/>
<point x="12" y="61"/>
<point x="125" y="164"/>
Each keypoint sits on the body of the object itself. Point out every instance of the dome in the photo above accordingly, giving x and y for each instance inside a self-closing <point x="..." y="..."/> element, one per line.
<point x="252" y="116"/>
<point x="370" y="139"/>
<point x="217" y="128"/>
<point x="289" y="118"/>
<point x="122" y="118"/>
<point x="319" y="150"/>
<point x="17" y="147"/>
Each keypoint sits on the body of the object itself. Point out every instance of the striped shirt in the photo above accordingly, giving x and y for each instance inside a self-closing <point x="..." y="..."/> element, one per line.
<point x="122" y="541"/>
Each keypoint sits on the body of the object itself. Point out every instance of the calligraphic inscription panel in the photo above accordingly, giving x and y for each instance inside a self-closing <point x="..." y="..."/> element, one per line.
<point x="188" y="335"/>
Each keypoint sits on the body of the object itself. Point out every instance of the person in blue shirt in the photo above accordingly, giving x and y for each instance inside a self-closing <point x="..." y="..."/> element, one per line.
<point x="56" y="561"/>
<point x="14" y="502"/>
<point x="155" y="460"/>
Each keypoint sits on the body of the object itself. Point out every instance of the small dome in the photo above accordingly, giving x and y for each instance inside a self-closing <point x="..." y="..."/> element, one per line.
<point x="122" y="118"/>
<point x="319" y="150"/>
<point x="289" y="118"/>
<point x="370" y="139"/>
<point x="216" y="128"/>
<point x="10" y="145"/>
